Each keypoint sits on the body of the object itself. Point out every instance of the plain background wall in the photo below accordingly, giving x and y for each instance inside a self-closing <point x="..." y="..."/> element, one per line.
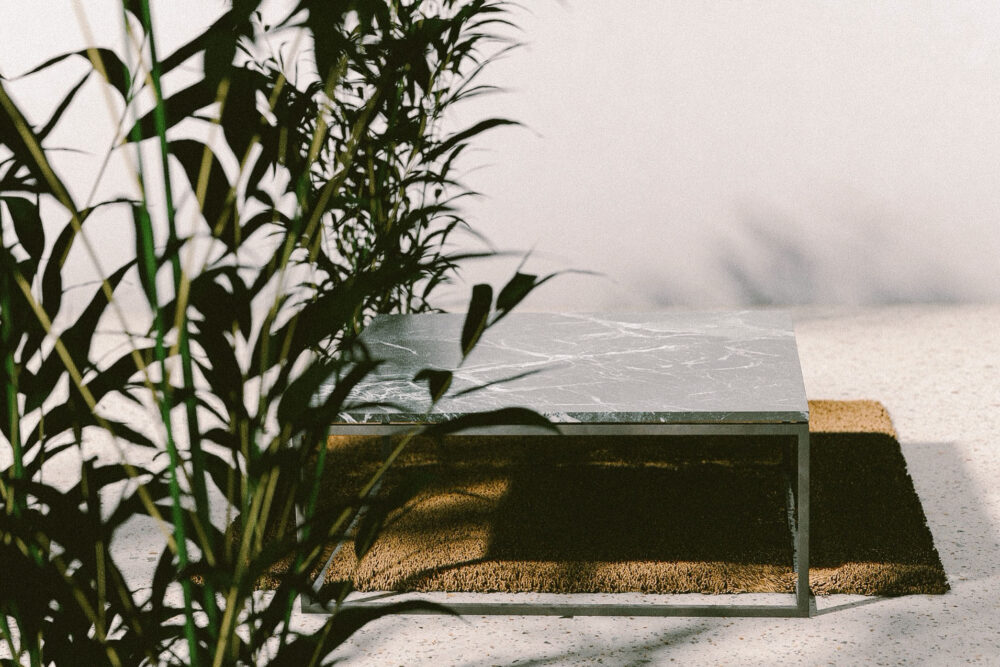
<point x="717" y="153"/>
<point x="698" y="153"/>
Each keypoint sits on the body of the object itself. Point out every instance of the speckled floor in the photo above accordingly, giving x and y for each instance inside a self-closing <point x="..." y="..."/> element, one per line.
<point x="937" y="369"/>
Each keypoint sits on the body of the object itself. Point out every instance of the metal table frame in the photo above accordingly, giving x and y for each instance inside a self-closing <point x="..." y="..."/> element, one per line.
<point x="798" y="515"/>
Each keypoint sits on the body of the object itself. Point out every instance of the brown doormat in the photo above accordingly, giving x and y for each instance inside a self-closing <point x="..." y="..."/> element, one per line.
<point x="653" y="514"/>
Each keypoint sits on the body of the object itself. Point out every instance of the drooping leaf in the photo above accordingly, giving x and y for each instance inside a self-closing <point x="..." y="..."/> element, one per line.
<point x="369" y="527"/>
<point x="484" y="385"/>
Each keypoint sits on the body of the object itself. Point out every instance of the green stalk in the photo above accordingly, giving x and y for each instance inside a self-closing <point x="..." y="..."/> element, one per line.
<point x="198" y="484"/>
<point x="149" y="259"/>
<point x="10" y="386"/>
<point x="176" y="510"/>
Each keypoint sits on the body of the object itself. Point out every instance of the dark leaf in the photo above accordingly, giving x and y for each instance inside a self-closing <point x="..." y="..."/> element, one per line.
<point x="344" y="385"/>
<point x="196" y="45"/>
<point x="501" y="417"/>
<point x="27" y="225"/>
<point x="514" y="292"/>
<point x="240" y="119"/>
<point x="224" y="376"/>
<point x="16" y="135"/>
<point x="438" y="381"/>
<point x="475" y="319"/>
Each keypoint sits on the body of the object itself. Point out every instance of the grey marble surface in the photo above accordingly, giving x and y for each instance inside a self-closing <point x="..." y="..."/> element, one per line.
<point x="717" y="368"/>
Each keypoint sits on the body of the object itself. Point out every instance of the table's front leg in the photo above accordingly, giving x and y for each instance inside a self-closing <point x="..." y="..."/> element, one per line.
<point x="802" y="522"/>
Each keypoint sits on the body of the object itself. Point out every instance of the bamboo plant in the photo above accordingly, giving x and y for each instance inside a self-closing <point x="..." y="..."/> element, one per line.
<point x="340" y="208"/>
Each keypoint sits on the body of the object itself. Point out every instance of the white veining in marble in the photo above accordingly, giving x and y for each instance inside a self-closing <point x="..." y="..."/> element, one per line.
<point x="726" y="367"/>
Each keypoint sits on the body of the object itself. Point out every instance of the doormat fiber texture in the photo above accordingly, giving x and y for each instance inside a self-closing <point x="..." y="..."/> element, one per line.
<point x="652" y="514"/>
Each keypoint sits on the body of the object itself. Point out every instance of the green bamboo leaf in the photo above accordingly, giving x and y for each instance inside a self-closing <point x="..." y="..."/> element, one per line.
<point x="475" y="319"/>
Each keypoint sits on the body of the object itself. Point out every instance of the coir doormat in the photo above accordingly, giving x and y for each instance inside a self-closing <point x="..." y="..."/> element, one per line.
<point x="654" y="514"/>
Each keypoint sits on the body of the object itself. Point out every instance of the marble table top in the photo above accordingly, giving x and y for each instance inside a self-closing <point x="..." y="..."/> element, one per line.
<point x="714" y="368"/>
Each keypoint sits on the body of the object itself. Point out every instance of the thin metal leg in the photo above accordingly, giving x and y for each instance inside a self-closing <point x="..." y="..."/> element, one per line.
<point x="802" y="511"/>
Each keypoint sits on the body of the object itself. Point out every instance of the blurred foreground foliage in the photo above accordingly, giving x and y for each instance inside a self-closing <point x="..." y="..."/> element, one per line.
<point x="325" y="194"/>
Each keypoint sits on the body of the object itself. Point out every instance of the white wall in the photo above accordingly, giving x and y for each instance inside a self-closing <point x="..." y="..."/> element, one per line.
<point x="717" y="152"/>
<point x="705" y="153"/>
